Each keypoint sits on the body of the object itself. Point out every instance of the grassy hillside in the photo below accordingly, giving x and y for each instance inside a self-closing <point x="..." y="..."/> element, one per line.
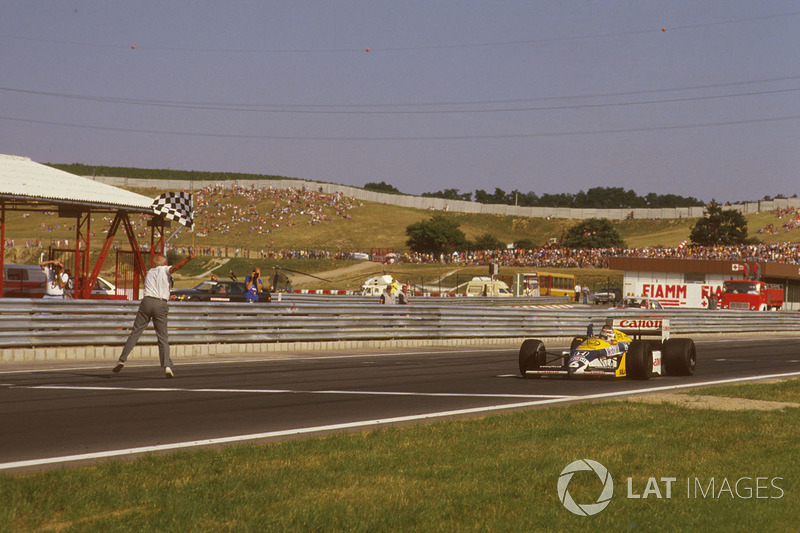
<point x="372" y="225"/>
<point x="260" y="223"/>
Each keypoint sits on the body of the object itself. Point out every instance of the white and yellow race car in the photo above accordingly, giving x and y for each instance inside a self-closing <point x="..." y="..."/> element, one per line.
<point x="618" y="351"/>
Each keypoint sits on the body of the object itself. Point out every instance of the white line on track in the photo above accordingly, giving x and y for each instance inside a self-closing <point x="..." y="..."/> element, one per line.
<point x="369" y="423"/>
<point x="283" y="391"/>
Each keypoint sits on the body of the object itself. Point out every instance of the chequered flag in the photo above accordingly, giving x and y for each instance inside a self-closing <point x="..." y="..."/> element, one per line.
<point x="175" y="206"/>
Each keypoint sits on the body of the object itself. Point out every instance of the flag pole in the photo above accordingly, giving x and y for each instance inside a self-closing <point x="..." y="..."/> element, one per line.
<point x="191" y="211"/>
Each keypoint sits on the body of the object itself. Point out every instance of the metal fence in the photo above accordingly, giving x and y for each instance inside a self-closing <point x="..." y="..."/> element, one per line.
<point x="43" y="323"/>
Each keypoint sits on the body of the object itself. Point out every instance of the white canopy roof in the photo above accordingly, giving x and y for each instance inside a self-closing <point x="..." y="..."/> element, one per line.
<point x="23" y="179"/>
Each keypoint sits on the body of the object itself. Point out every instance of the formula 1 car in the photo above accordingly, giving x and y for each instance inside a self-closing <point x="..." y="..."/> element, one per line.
<point x="614" y="353"/>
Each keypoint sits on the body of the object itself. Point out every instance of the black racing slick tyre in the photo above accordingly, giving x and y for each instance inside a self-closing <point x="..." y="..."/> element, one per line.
<point x="679" y="357"/>
<point x="577" y="341"/>
<point x="639" y="360"/>
<point x="532" y="355"/>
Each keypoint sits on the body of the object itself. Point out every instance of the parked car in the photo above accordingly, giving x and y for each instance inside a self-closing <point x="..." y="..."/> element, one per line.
<point x="23" y="281"/>
<point x="101" y="290"/>
<point x="633" y="302"/>
<point x="216" y="291"/>
<point x="610" y="296"/>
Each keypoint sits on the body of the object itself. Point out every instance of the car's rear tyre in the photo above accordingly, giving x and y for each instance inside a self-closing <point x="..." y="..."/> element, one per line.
<point x="639" y="360"/>
<point x="680" y="357"/>
<point x="532" y="355"/>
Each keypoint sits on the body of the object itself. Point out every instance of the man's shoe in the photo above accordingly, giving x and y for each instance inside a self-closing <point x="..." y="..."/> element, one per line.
<point x="168" y="372"/>
<point x="117" y="368"/>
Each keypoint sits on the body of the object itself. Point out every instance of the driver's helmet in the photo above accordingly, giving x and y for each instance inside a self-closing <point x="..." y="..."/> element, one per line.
<point x="607" y="333"/>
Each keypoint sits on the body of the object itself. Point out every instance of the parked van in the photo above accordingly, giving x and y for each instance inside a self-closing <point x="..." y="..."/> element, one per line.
<point x="484" y="286"/>
<point x="23" y="281"/>
<point x="375" y="286"/>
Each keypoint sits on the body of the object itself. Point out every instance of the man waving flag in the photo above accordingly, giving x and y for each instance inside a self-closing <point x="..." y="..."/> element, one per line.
<point x="175" y="206"/>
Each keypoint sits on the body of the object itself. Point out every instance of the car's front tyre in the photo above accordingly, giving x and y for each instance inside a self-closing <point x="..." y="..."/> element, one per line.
<point x="532" y="355"/>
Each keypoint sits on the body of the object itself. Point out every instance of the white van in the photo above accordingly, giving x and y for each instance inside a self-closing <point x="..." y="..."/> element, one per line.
<point x="375" y="286"/>
<point x="485" y="286"/>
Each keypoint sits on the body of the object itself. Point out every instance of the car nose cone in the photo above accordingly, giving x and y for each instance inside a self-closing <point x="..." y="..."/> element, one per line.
<point x="576" y="367"/>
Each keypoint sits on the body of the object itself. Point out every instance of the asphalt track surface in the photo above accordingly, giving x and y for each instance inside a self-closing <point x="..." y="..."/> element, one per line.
<point x="64" y="416"/>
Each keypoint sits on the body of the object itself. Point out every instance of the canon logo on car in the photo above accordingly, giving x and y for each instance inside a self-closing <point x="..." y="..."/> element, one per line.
<point x="641" y="323"/>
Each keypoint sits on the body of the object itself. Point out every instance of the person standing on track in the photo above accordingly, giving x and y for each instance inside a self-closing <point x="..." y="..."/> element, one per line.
<point x="155" y="307"/>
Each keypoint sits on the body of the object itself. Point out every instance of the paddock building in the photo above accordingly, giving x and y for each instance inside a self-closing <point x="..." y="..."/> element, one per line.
<point x="689" y="282"/>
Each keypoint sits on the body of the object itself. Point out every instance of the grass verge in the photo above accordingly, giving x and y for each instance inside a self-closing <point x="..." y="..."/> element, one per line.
<point x="733" y="471"/>
<point x="782" y="391"/>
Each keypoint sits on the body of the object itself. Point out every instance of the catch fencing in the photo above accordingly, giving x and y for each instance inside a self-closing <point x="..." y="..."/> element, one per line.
<point x="45" y="323"/>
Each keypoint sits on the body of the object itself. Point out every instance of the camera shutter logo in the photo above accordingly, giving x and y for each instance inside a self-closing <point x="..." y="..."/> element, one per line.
<point x="585" y="509"/>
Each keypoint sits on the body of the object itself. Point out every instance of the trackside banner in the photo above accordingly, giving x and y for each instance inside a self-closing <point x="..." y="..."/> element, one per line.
<point x="677" y="295"/>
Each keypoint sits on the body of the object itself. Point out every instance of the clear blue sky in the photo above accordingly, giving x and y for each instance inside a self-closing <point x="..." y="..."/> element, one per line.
<point x="544" y="96"/>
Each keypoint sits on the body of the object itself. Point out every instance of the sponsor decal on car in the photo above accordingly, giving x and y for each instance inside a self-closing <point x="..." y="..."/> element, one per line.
<point x="641" y="323"/>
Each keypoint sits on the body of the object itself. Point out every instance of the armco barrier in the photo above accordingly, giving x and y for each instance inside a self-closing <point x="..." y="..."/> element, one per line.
<point x="43" y="323"/>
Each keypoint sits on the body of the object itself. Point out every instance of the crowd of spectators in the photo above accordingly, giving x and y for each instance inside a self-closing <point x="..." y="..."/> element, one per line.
<point x="263" y="253"/>
<point x="598" y="257"/>
<point x="792" y="216"/>
<point x="218" y="209"/>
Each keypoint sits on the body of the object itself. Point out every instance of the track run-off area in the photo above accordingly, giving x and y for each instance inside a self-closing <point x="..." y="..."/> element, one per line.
<point x="60" y="414"/>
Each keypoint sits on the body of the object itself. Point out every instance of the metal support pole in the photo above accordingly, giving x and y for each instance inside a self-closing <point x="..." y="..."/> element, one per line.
<point x="2" y="245"/>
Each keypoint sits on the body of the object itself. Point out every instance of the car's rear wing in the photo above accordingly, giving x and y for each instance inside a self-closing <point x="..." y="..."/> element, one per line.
<point x="636" y="327"/>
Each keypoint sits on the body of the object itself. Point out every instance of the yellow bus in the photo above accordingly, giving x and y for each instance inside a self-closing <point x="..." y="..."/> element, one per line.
<point x="552" y="284"/>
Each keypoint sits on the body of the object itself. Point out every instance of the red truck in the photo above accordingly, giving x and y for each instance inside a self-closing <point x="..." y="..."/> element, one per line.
<point x="748" y="294"/>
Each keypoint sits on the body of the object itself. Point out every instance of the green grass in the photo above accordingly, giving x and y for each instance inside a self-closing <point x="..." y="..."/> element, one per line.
<point x="497" y="473"/>
<point x="784" y="391"/>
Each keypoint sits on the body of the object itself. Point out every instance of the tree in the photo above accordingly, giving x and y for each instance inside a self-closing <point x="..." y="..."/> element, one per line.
<point x="440" y="234"/>
<point x="382" y="187"/>
<point x="524" y="244"/>
<point x="449" y="194"/>
<point x="593" y="233"/>
<point x="720" y="227"/>
<point x="487" y="242"/>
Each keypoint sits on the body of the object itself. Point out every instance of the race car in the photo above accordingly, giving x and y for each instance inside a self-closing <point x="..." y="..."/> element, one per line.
<point x="618" y="351"/>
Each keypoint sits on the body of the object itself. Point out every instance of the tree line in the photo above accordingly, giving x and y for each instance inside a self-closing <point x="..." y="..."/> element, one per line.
<point x="596" y="197"/>
<point x="441" y="234"/>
